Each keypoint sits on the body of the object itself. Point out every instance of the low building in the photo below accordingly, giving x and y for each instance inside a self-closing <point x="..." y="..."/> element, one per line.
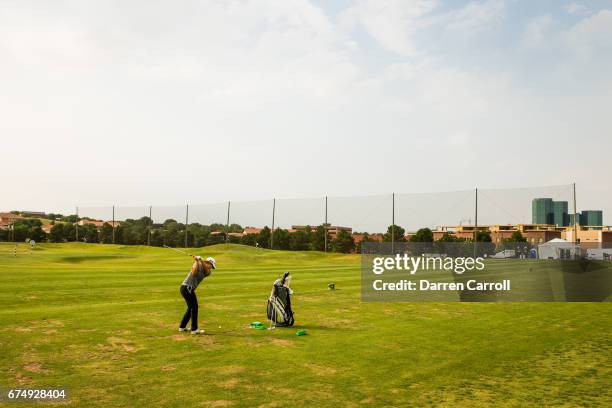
<point x="533" y="233"/>
<point x="251" y="230"/>
<point x="458" y="231"/>
<point x="538" y="234"/>
<point x="97" y="223"/>
<point x="7" y="219"/>
<point x="599" y="235"/>
<point x="360" y="236"/>
<point x="332" y="230"/>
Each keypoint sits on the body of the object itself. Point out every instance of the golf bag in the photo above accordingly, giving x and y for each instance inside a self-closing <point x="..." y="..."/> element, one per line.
<point x="279" y="303"/>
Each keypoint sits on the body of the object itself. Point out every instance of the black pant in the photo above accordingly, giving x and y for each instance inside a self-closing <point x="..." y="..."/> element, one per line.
<point x="192" y="308"/>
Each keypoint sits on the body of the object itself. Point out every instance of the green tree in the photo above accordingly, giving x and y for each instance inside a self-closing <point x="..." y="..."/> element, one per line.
<point x="263" y="238"/>
<point x="136" y="232"/>
<point x="397" y="232"/>
<point x="447" y="237"/>
<point x="249" y="239"/>
<point x="422" y="235"/>
<point x="123" y="233"/>
<point x="366" y="238"/>
<point x="483" y="236"/>
<point x="157" y="238"/>
<point x="218" y="238"/>
<point x="171" y="233"/>
<point x="90" y="233"/>
<point x="232" y="239"/>
<point x="28" y="228"/>
<point x="37" y="234"/>
<point x="69" y="232"/>
<point x="215" y="226"/>
<point x="516" y="237"/>
<point x="168" y="222"/>
<point x="106" y="233"/>
<point x="201" y="234"/>
<point x="235" y="228"/>
<point x="344" y="242"/>
<point x="282" y="239"/>
<point x="299" y="240"/>
<point x="70" y="219"/>
<point x="57" y="233"/>
<point x="317" y="238"/>
<point x="21" y="231"/>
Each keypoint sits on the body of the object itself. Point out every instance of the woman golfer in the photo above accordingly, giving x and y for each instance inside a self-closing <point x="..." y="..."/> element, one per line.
<point x="199" y="270"/>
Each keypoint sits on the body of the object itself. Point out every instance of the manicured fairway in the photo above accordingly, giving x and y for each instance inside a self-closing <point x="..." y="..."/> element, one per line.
<point x="102" y="320"/>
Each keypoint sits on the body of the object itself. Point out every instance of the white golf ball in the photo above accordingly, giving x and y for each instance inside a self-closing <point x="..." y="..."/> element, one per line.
<point x="219" y="326"/>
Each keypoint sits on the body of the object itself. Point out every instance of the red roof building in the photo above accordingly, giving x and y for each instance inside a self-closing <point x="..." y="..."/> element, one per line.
<point x="6" y="219"/>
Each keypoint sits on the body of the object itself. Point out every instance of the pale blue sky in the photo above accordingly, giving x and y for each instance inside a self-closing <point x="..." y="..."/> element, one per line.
<point x="162" y="102"/>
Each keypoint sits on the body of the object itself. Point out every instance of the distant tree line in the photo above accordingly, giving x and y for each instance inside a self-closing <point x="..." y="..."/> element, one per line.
<point x="144" y="231"/>
<point x="25" y="228"/>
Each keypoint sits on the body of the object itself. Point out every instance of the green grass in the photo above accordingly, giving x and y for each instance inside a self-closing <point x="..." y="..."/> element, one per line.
<point x="102" y="321"/>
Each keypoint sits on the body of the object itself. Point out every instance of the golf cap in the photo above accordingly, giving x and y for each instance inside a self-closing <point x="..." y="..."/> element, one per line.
<point x="212" y="262"/>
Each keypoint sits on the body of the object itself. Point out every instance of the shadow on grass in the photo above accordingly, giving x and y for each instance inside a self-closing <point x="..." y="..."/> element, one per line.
<point x="87" y="258"/>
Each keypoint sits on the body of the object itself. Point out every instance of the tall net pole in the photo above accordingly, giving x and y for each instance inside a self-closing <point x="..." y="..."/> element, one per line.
<point x="227" y="222"/>
<point x="476" y="210"/>
<point x="325" y="225"/>
<point x="113" y="224"/>
<point x="186" y="223"/>
<point x="150" y="225"/>
<point x="393" y="223"/>
<point x="475" y="220"/>
<point x="273" y="214"/>
<point x="76" y="225"/>
<point x="575" y="219"/>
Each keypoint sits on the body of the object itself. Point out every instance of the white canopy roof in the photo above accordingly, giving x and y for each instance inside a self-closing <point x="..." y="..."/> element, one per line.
<point x="559" y="243"/>
<point x="552" y="249"/>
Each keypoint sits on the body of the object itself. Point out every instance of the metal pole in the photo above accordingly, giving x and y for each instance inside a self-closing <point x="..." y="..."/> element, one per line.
<point x="475" y="222"/>
<point x="325" y="225"/>
<point x="113" y="224"/>
<point x="476" y="210"/>
<point x="575" y="217"/>
<point x="272" y="233"/>
<point x="227" y="222"/>
<point x="393" y="225"/>
<point x="76" y="225"/>
<point x="186" y="223"/>
<point x="150" y="225"/>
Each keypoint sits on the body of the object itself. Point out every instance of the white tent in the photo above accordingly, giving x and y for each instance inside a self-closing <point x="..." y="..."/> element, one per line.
<point x="558" y="249"/>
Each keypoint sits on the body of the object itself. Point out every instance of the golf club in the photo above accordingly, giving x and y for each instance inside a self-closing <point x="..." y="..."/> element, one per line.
<point x="177" y="250"/>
